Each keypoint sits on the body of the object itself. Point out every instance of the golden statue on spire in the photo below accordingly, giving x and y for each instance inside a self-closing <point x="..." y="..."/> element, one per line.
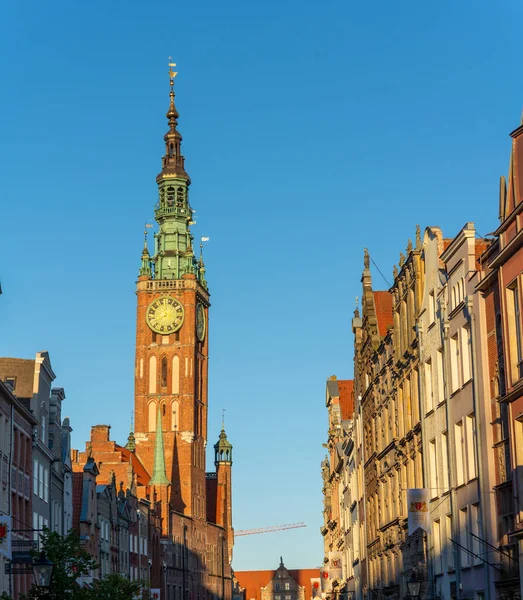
<point x="172" y="74"/>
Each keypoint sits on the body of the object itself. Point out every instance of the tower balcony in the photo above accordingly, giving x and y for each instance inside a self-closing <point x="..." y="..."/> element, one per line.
<point x="171" y="211"/>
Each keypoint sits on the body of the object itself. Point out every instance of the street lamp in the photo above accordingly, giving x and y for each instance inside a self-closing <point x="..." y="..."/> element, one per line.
<point x="43" y="571"/>
<point x="414" y="587"/>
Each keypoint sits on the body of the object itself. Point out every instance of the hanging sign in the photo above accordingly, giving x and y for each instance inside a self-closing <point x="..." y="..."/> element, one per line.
<point x="418" y="507"/>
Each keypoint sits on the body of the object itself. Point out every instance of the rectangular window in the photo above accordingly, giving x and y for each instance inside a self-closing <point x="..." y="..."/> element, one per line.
<point x="46" y="485"/>
<point x="429" y="399"/>
<point x="450" y="545"/>
<point x="515" y="340"/>
<point x="458" y="444"/>
<point x="470" y="445"/>
<point x="35" y="476"/>
<point x="464" y="537"/>
<point x="444" y="462"/>
<point x="440" y="393"/>
<point x="466" y="354"/>
<point x="431" y="307"/>
<point x="433" y="470"/>
<point x="41" y="481"/>
<point x="454" y="363"/>
<point x="474" y="532"/>
<point x="287" y="586"/>
<point x="438" y="559"/>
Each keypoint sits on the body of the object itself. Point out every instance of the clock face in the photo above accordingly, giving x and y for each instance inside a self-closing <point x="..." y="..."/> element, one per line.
<point x="165" y="315"/>
<point x="200" y="322"/>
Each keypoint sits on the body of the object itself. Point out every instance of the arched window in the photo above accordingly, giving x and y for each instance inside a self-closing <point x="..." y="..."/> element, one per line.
<point x="176" y="375"/>
<point x="175" y="419"/>
<point x="170" y="150"/>
<point x="164" y="372"/>
<point x="152" y="375"/>
<point x="141" y="368"/>
<point x="152" y="416"/>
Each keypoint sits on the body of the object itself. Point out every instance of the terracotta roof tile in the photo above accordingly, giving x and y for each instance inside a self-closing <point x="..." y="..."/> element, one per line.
<point x="383" y="307"/>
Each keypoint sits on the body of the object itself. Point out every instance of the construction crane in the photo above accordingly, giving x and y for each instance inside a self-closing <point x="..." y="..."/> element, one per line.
<point x="241" y="532"/>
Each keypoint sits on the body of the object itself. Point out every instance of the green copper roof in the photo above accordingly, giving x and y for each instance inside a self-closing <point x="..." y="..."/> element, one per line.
<point x="173" y="252"/>
<point x="159" y="477"/>
<point x="223" y="449"/>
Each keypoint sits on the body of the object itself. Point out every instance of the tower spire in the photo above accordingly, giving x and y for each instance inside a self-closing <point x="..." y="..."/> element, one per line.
<point x="173" y="163"/>
<point x="159" y="477"/>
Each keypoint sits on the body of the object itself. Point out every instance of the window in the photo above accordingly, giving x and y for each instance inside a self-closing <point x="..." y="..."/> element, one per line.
<point x="514" y="332"/>
<point x="474" y="532"/>
<point x="444" y="462"/>
<point x="41" y="481"/>
<point x="431" y="307"/>
<point x="450" y="545"/>
<point x="429" y="399"/>
<point x="35" y="476"/>
<point x="438" y="558"/>
<point x="175" y="415"/>
<point x="454" y="362"/>
<point x="470" y="443"/>
<point x="458" y="444"/>
<point x="433" y="470"/>
<point x="464" y="537"/>
<point x="466" y="353"/>
<point x="176" y="375"/>
<point x="152" y="375"/>
<point x="11" y="381"/>
<point x="164" y="372"/>
<point x="46" y="485"/>
<point x="152" y="416"/>
<point x="440" y="392"/>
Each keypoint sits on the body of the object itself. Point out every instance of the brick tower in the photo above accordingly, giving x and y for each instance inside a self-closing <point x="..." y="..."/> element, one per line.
<point x="171" y="343"/>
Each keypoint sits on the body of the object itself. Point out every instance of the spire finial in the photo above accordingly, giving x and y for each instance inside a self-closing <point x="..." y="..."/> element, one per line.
<point x="223" y="419"/>
<point x="366" y="259"/>
<point x="172" y="74"/>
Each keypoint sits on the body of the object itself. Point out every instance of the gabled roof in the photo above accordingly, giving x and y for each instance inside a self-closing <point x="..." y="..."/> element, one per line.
<point x="383" y="307"/>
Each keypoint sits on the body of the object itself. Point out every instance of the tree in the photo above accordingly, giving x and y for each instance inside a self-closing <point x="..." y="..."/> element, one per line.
<point x="115" y="587"/>
<point x="70" y="561"/>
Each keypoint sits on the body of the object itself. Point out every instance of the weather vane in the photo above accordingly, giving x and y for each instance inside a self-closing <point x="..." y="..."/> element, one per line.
<point x="172" y="74"/>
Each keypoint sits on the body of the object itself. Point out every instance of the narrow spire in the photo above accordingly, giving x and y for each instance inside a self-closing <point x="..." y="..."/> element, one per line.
<point x="159" y="477"/>
<point x="173" y="163"/>
<point x="131" y="440"/>
<point x="145" y="269"/>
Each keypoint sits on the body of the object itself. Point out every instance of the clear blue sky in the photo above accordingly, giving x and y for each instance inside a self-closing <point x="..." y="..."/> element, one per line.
<point x="311" y="130"/>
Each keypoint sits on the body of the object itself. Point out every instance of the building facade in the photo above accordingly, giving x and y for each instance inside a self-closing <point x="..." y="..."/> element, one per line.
<point x="16" y="494"/>
<point x="278" y="584"/>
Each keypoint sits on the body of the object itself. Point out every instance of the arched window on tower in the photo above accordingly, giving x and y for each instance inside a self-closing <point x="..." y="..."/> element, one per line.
<point x="175" y="420"/>
<point x="171" y="150"/>
<point x="164" y="372"/>
<point x="152" y="416"/>
<point x="176" y="375"/>
<point x="152" y="375"/>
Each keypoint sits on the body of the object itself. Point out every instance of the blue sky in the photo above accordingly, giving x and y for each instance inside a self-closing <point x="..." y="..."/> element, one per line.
<point x="311" y="130"/>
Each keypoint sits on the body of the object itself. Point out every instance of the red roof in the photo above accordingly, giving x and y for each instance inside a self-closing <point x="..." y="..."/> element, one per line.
<point x="383" y="307"/>
<point x="346" y="387"/>
<point x="253" y="581"/>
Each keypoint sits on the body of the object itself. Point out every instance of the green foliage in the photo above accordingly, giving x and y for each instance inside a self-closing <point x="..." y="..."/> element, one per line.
<point x="70" y="561"/>
<point x="116" y="587"/>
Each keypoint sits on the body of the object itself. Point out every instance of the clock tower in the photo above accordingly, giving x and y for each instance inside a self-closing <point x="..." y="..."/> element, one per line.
<point x="172" y="343"/>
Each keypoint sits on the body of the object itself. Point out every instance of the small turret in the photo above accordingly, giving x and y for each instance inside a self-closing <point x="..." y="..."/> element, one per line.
<point x="223" y="449"/>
